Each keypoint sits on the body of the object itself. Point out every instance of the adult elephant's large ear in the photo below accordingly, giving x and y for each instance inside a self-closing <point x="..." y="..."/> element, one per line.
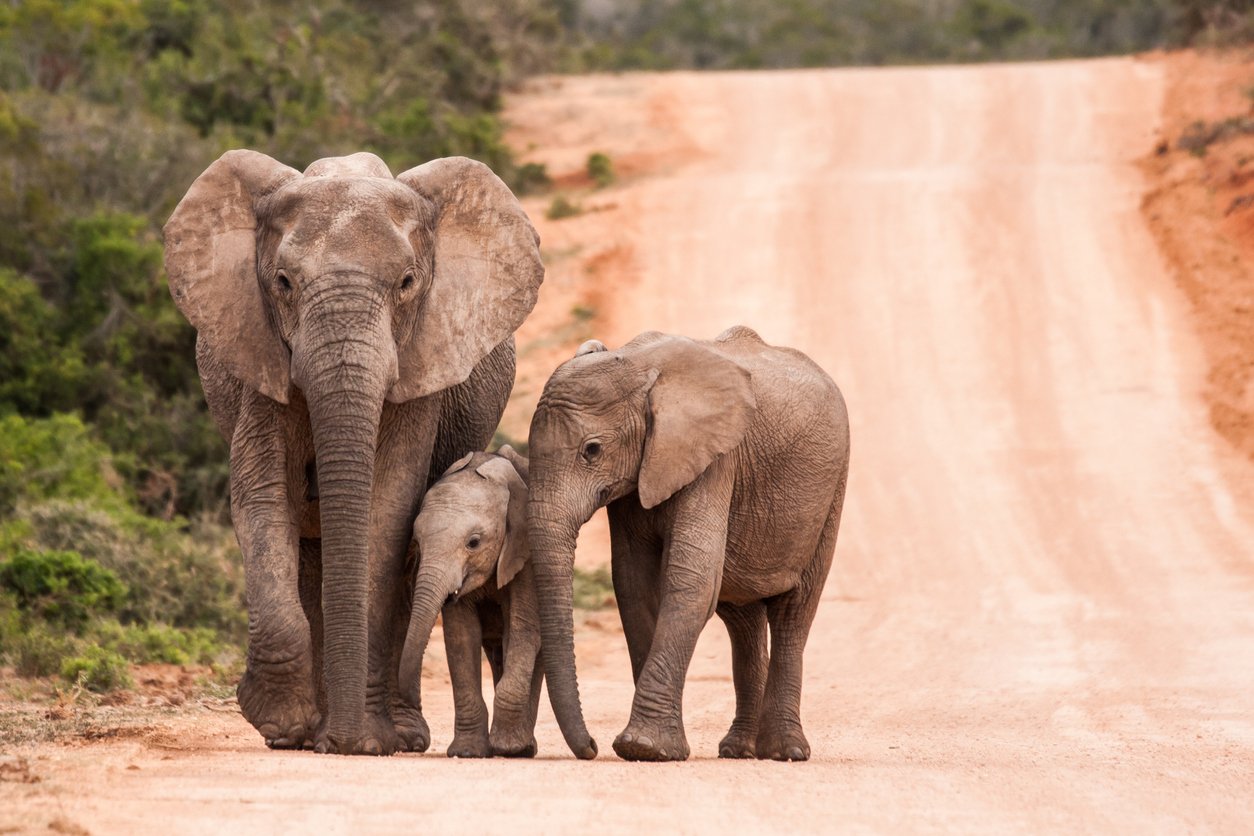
<point x="486" y="278"/>
<point x="700" y="405"/>
<point x="211" y="262"/>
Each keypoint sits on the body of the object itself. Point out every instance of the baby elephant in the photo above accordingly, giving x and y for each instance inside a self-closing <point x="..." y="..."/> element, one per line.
<point x="723" y="466"/>
<point x="473" y="565"/>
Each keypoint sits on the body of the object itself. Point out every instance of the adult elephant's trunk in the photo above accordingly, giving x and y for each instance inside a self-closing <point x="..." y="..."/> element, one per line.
<point x="553" y="559"/>
<point x="344" y="360"/>
<point x="431" y="589"/>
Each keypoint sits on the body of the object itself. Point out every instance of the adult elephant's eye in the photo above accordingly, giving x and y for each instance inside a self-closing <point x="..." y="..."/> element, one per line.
<point x="408" y="280"/>
<point x="591" y="450"/>
<point x="473" y="542"/>
<point x="285" y="284"/>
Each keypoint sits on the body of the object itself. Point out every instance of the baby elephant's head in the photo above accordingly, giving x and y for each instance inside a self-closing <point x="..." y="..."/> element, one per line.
<point x="472" y="527"/>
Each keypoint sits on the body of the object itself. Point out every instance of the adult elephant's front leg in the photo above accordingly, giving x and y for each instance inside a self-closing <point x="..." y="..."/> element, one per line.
<point x="404" y="455"/>
<point x="276" y="693"/>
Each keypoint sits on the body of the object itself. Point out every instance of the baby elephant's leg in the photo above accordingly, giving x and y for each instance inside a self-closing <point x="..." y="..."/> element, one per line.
<point x="463" y="642"/>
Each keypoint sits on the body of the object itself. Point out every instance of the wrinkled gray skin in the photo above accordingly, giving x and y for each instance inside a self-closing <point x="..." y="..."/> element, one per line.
<point x="353" y="337"/>
<point x="474" y="564"/>
<point x="723" y="466"/>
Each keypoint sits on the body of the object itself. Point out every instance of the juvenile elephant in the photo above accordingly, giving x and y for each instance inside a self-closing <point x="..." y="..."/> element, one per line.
<point x="723" y="465"/>
<point x="474" y="564"/>
<point x="354" y="336"/>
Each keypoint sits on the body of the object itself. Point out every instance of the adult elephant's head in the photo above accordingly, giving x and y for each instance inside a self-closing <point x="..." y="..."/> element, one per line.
<point x="353" y="287"/>
<point x="647" y="419"/>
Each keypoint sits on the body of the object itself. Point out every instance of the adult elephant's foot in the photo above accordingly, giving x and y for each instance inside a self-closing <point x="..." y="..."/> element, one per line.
<point x="470" y="745"/>
<point x="512" y="743"/>
<point x="652" y="742"/>
<point x="378" y="737"/>
<point x="783" y="742"/>
<point x="280" y="707"/>
<point x="738" y="743"/>
<point x="411" y="727"/>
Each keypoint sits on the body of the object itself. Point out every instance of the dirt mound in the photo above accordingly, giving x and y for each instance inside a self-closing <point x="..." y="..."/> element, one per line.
<point x="1200" y="208"/>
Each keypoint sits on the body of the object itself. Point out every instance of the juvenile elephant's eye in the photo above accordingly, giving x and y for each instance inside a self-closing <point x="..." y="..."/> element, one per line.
<point x="473" y="542"/>
<point x="285" y="284"/>
<point x="591" y="450"/>
<point x="408" y="281"/>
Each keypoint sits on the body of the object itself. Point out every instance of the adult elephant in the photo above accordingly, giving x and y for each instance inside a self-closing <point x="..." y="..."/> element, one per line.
<point x="354" y="337"/>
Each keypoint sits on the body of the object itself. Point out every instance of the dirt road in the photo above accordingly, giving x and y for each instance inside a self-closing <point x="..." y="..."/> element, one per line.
<point x="1042" y="611"/>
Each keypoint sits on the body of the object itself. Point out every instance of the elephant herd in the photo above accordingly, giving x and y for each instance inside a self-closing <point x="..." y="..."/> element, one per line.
<point x="355" y="345"/>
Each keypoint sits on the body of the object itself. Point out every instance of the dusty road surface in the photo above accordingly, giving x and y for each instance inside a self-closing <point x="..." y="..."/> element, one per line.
<point x="1041" y="615"/>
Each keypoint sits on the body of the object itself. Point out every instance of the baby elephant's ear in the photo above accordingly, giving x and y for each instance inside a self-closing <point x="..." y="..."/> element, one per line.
<point x="518" y="460"/>
<point x="458" y="465"/>
<point x="516" y="549"/>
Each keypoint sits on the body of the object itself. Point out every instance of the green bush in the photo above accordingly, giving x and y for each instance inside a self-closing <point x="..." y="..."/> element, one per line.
<point x="142" y="644"/>
<point x="60" y="587"/>
<point x="593" y="590"/>
<point x="57" y="457"/>
<point x="97" y="669"/>
<point x="38" y="650"/>
<point x="600" y="169"/>
<point x="186" y="576"/>
<point x="560" y="208"/>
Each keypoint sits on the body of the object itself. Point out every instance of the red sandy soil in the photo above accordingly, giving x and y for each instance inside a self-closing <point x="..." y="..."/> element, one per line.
<point x="1041" y="615"/>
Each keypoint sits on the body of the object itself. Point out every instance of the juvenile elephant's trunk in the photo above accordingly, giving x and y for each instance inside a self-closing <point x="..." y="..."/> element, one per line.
<point x="553" y="558"/>
<point x="344" y="360"/>
<point x="431" y="589"/>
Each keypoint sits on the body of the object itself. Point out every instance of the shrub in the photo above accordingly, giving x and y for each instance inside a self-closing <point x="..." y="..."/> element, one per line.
<point x="600" y="169"/>
<point x="61" y="587"/>
<point x="144" y="644"/>
<point x="183" y="575"/>
<point x="593" y="590"/>
<point x="57" y="457"/>
<point x="530" y="178"/>
<point x="562" y="208"/>
<point x="38" y="651"/>
<point x="97" y="669"/>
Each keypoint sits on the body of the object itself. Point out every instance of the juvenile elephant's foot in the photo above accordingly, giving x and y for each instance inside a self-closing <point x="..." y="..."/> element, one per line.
<point x="282" y="710"/>
<point x="512" y="744"/>
<point x="783" y="743"/>
<point x="470" y="745"/>
<point x="738" y="743"/>
<point x="644" y="742"/>
<point x="412" y="729"/>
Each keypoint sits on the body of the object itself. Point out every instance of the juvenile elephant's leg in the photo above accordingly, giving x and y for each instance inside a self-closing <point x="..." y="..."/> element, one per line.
<point x="463" y="642"/>
<point x="517" y="691"/>
<point x="405" y="437"/>
<point x="780" y="736"/>
<point x="276" y="693"/>
<point x="636" y="567"/>
<point x="690" y="583"/>
<point x="746" y="625"/>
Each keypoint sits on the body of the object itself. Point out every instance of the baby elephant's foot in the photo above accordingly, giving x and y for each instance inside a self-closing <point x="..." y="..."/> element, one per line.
<point x="641" y="742"/>
<point x="783" y="744"/>
<point x="411" y="727"/>
<point x="738" y="744"/>
<point x="283" y="711"/>
<point x="512" y="744"/>
<point x="469" y="745"/>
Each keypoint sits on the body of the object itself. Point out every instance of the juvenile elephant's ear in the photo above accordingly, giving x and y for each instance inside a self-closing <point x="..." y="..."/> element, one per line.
<point x="516" y="549"/>
<point x="211" y="262"/>
<point x="700" y="405"/>
<point x="486" y="278"/>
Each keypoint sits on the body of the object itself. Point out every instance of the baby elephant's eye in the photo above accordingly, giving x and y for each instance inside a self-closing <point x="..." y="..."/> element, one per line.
<point x="591" y="450"/>
<point x="473" y="542"/>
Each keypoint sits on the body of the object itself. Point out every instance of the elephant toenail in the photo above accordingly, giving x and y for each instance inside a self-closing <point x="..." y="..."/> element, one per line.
<point x="628" y="738"/>
<point x="794" y="754"/>
<point x="661" y="753"/>
<point x="372" y="747"/>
